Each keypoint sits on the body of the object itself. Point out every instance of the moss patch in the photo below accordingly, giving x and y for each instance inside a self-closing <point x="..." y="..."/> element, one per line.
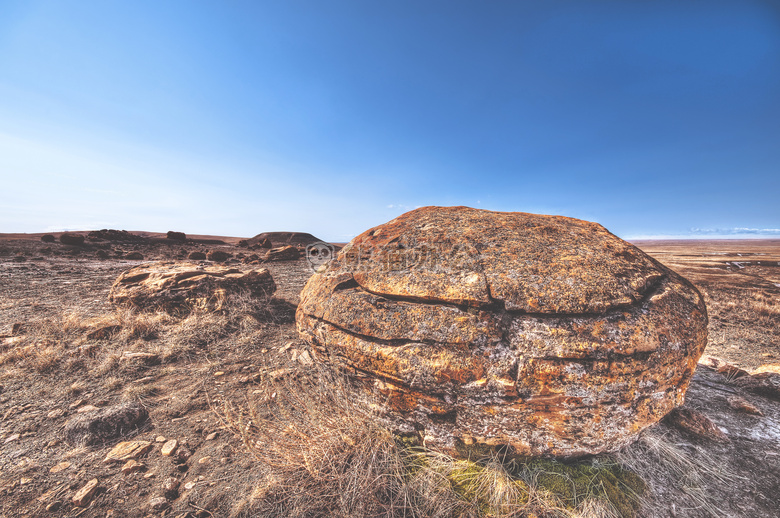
<point x="574" y="483"/>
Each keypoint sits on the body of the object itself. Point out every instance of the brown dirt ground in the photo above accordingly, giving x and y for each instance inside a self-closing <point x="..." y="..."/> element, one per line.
<point x="203" y="362"/>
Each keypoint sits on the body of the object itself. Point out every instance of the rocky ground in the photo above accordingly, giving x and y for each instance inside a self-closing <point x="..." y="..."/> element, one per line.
<point x="67" y="357"/>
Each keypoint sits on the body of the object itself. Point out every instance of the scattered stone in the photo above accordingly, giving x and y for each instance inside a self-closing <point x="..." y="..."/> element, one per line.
<point x="132" y="466"/>
<point x="62" y="466"/>
<point x="197" y="256"/>
<point x="76" y="404"/>
<point x="151" y="474"/>
<point x="158" y="503"/>
<point x="128" y="450"/>
<point x="104" y="333"/>
<point x="169" y="447"/>
<point x="181" y="286"/>
<point x="160" y="438"/>
<point x="48" y="238"/>
<point x="212" y="436"/>
<point x="182" y="455"/>
<point x="56" y="413"/>
<point x="105" y="424"/>
<point x="176" y="236"/>
<point x="219" y="373"/>
<point x="763" y="383"/>
<point x="741" y="404"/>
<point x="542" y="332"/>
<point x="190" y="485"/>
<point x="86" y="408"/>
<point x="18" y="328"/>
<point x="140" y="355"/>
<point x="305" y="359"/>
<point x="696" y="424"/>
<point x="84" y="496"/>
<point x="11" y="438"/>
<point x="283" y="253"/>
<point x="135" y="256"/>
<point x="218" y="256"/>
<point x="71" y="239"/>
<point x="170" y="487"/>
<point x="54" y="506"/>
<point x="204" y="460"/>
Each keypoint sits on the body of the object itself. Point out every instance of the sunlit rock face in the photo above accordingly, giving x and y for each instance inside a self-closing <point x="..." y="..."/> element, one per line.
<point x="180" y="287"/>
<point x="546" y="333"/>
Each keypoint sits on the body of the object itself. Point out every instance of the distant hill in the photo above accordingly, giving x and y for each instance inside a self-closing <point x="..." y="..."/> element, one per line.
<point x="285" y="238"/>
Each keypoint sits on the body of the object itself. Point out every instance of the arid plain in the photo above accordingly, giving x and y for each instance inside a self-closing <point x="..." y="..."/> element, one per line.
<point x="236" y="399"/>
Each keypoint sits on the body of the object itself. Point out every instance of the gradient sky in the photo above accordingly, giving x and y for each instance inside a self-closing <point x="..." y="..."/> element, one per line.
<point x="234" y="118"/>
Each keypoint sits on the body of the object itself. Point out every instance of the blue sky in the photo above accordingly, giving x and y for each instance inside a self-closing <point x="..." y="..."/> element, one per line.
<point x="233" y="118"/>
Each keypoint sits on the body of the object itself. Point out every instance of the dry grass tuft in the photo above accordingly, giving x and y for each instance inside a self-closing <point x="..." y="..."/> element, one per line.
<point x="327" y="453"/>
<point x="686" y="468"/>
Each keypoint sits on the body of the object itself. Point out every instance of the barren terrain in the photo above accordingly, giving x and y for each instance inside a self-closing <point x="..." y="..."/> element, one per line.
<point x="223" y="384"/>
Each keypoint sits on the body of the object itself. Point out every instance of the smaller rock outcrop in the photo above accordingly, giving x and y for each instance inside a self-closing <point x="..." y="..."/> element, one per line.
<point x="283" y="253"/>
<point x="104" y="425"/>
<point x="182" y="286"/>
<point x="219" y="256"/>
<point x="48" y="238"/>
<point x="197" y="256"/>
<point x="69" y="238"/>
<point x="176" y="236"/>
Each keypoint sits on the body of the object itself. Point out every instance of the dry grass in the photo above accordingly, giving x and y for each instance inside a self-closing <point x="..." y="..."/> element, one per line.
<point x="685" y="468"/>
<point x="326" y="452"/>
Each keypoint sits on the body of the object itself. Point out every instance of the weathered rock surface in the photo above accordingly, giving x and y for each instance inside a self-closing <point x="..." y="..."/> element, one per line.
<point x="183" y="286"/>
<point x="543" y="332"/>
<point x="104" y="425"/>
<point x="218" y="256"/>
<point x="48" y="238"/>
<point x="283" y="253"/>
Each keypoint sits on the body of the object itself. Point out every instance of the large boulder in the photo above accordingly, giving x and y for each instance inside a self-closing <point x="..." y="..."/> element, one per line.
<point x="182" y="286"/>
<point x="545" y="333"/>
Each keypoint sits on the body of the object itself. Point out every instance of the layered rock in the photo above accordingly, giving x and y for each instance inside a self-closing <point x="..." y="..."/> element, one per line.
<point x="543" y="332"/>
<point x="283" y="253"/>
<point x="182" y="286"/>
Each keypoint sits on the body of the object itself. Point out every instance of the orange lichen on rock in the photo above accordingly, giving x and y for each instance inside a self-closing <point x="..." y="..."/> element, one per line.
<point x="543" y="332"/>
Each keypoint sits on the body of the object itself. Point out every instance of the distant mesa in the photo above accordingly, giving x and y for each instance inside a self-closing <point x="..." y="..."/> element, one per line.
<point x="110" y="234"/>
